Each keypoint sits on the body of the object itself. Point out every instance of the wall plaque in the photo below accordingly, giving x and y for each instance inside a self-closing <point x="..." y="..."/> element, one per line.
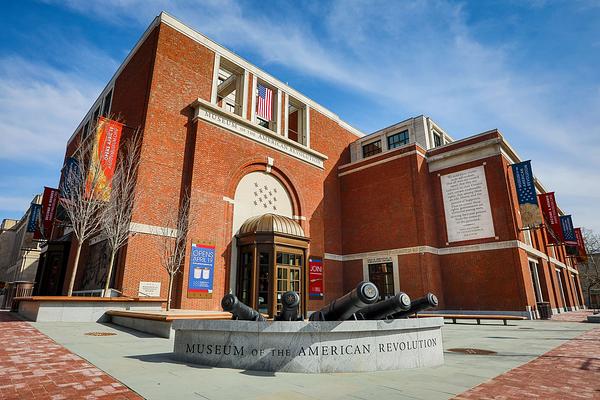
<point x="149" y="289"/>
<point x="467" y="205"/>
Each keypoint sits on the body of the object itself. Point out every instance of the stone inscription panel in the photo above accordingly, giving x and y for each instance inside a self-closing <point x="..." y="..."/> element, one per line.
<point x="467" y="205"/>
<point x="311" y="351"/>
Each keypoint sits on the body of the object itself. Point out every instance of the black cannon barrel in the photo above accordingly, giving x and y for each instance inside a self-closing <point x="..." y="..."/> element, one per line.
<point x="239" y="310"/>
<point x="423" y="303"/>
<point x="383" y="309"/>
<point x="344" y="307"/>
<point x="290" y="302"/>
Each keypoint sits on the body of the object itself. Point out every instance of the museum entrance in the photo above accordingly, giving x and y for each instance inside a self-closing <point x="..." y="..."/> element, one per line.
<point x="272" y="257"/>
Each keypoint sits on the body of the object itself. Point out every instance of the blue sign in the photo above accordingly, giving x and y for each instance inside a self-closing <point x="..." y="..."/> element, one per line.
<point x="202" y="268"/>
<point x="566" y="223"/>
<point x="34" y="217"/>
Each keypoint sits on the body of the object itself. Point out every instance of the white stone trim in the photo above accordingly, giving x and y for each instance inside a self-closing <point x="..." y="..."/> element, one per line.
<point x="369" y="165"/>
<point x="215" y="79"/>
<point x="253" y="108"/>
<point x="152" y="230"/>
<point x="278" y="122"/>
<point x="307" y="125"/>
<point x="508" y="244"/>
<point x="463" y="155"/>
<point x="299" y="217"/>
<point x="228" y="199"/>
<point x="245" y="94"/>
<point x="257" y="72"/>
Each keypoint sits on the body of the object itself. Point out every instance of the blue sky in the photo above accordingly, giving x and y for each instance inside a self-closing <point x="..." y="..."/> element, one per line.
<point x="530" y="69"/>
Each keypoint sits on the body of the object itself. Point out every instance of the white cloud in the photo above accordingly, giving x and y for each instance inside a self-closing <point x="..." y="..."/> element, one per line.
<point x="40" y="107"/>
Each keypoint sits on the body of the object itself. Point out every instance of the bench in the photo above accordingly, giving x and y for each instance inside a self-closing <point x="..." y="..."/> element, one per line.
<point x="478" y="318"/>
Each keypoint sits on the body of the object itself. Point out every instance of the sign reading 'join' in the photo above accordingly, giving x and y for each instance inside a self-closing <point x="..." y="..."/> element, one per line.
<point x="467" y="205"/>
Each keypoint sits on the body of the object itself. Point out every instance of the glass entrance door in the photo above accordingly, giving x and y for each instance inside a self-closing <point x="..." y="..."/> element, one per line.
<point x="289" y="276"/>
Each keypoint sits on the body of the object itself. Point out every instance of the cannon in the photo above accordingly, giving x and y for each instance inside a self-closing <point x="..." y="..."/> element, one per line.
<point x="239" y="310"/>
<point x="290" y="301"/>
<point x="385" y="308"/>
<point x="423" y="303"/>
<point x="346" y="306"/>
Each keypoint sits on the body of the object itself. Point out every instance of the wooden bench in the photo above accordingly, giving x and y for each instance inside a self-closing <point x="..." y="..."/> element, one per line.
<point x="478" y="318"/>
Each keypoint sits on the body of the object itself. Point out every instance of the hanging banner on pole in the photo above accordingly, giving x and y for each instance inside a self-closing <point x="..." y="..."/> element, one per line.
<point x="34" y="217"/>
<point x="70" y="176"/>
<point x="550" y="213"/>
<point x="315" y="278"/>
<point x="49" y="204"/>
<point x="202" y="268"/>
<point x="525" y="186"/>
<point x="569" y="235"/>
<point x="104" y="159"/>
<point x="581" y="253"/>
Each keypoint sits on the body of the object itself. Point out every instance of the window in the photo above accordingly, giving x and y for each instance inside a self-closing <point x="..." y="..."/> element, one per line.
<point x="86" y="129"/>
<point x="437" y="139"/>
<point x="107" y="104"/>
<point x="397" y="139"/>
<point x="96" y="115"/>
<point x="535" y="279"/>
<point x="296" y="121"/>
<point x="382" y="276"/>
<point x="230" y="87"/>
<point x="372" y="148"/>
<point x="527" y="237"/>
<point x="266" y="115"/>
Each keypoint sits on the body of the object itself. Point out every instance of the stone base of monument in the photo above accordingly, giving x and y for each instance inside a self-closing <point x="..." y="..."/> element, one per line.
<point x="311" y="347"/>
<point x="594" y="318"/>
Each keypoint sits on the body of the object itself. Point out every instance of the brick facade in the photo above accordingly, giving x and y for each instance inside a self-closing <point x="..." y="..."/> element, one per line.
<point x="389" y="204"/>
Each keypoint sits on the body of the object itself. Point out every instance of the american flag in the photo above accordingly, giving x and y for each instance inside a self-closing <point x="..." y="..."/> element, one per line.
<point x="265" y="99"/>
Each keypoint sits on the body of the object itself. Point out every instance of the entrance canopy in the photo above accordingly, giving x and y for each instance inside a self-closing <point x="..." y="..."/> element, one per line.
<point x="271" y="223"/>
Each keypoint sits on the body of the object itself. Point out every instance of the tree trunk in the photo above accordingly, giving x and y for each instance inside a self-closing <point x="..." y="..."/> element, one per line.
<point x="75" y="264"/>
<point x="109" y="273"/>
<point x="170" y="291"/>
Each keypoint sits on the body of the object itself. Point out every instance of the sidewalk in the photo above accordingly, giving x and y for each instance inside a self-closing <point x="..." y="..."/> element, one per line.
<point x="570" y="371"/>
<point x="33" y="366"/>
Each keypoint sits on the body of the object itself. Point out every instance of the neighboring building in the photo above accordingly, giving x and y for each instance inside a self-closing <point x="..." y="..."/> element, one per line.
<point x="589" y="273"/>
<point x="275" y="193"/>
<point x="19" y="252"/>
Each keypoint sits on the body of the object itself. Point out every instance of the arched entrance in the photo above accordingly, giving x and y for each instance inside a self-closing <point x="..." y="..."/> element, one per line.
<point x="271" y="260"/>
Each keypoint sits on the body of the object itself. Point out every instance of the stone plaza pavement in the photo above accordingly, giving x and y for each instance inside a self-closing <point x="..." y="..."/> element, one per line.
<point x="33" y="366"/>
<point x="569" y="366"/>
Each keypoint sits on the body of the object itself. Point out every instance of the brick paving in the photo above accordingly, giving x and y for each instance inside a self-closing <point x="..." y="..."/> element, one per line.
<point x="570" y="371"/>
<point x="33" y="366"/>
<point x="572" y="316"/>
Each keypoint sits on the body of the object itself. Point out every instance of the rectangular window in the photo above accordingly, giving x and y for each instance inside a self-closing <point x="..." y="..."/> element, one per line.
<point x="397" y="139"/>
<point x="297" y="121"/>
<point x="86" y="129"/>
<point x="107" y="104"/>
<point x="230" y="87"/>
<point x="371" y="149"/>
<point x="96" y="115"/>
<point x="437" y="139"/>
<point x="382" y="276"/>
<point x="533" y="269"/>
<point x="265" y="106"/>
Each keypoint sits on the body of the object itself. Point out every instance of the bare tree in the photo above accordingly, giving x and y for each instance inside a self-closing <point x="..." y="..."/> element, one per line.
<point x="119" y="208"/>
<point x="173" y="241"/>
<point x="82" y="197"/>
<point x="590" y="270"/>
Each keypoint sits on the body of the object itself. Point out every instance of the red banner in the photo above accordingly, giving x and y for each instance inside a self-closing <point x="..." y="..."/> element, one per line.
<point x="49" y="203"/>
<point x="550" y="213"/>
<point x="582" y="254"/>
<point x="315" y="277"/>
<point x="104" y="159"/>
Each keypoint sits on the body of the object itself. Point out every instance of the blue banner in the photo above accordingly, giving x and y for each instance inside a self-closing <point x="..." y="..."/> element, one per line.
<point x="566" y="223"/>
<point x="525" y="187"/>
<point x="34" y="217"/>
<point x="70" y="175"/>
<point x="202" y="268"/>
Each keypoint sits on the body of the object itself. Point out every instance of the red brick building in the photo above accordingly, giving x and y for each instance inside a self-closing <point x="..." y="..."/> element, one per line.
<point x="271" y="192"/>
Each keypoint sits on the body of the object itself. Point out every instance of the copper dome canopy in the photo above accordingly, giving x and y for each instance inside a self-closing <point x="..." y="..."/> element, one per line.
<point x="271" y="223"/>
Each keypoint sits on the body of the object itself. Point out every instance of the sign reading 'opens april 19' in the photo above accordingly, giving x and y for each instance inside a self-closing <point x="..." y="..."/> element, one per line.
<point x="201" y="273"/>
